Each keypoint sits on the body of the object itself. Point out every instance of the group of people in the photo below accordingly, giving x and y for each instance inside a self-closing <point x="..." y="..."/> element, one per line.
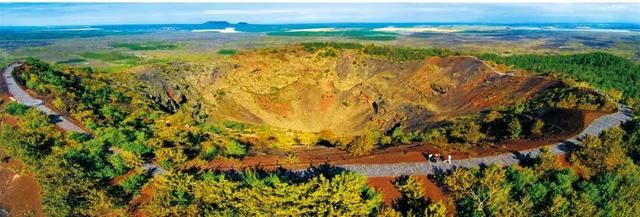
<point x="435" y="157"/>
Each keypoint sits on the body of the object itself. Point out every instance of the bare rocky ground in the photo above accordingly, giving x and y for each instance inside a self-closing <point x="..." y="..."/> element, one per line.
<point x="306" y="91"/>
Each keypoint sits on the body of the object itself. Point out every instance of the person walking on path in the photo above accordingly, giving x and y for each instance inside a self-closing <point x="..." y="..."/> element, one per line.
<point x="449" y="159"/>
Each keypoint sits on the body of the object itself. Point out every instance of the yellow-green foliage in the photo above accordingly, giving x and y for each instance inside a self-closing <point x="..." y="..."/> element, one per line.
<point x="180" y="194"/>
<point x="437" y="209"/>
<point x="412" y="200"/>
<point x="283" y="140"/>
<point x="537" y="127"/>
<point x="600" y="154"/>
<point x="170" y="157"/>
<point x="305" y="138"/>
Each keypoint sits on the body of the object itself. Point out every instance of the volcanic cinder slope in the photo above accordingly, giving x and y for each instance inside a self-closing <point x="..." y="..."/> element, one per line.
<point x="307" y="91"/>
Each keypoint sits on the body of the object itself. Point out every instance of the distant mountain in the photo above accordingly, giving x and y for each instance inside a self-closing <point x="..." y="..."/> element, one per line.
<point x="242" y="23"/>
<point x="216" y="23"/>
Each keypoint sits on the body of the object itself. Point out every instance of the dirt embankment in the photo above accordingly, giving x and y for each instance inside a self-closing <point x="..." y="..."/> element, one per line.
<point x="390" y="195"/>
<point x="19" y="194"/>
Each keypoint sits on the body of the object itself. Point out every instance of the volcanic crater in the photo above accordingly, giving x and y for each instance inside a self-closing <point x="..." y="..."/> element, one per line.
<point x="351" y="91"/>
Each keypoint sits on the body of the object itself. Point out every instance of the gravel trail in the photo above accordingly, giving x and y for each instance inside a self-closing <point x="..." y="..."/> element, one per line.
<point x="420" y="168"/>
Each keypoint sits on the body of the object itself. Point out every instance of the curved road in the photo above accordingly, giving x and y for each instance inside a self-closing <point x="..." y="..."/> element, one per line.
<point x="394" y="169"/>
<point x="21" y="96"/>
<point x="595" y="128"/>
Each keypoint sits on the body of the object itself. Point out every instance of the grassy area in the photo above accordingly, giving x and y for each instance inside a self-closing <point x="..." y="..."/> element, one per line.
<point x="355" y="34"/>
<point x="227" y="52"/>
<point x="119" y="61"/>
<point x="109" y="56"/>
<point x="72" y="61"/>
<point x="146" y="46"/>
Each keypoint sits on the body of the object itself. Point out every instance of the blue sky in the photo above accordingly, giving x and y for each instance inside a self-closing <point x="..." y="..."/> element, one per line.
<point x="17" y="14"/>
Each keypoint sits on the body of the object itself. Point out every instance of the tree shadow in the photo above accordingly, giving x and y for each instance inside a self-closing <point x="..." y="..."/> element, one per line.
<point x="439" y="175"/>
<point x="293" y="176"/>
<point x="524" y="160"/>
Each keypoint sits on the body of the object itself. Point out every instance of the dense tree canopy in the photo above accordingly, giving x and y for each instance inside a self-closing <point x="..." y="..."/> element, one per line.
<point x="603" y="70"/>
<point x="607" y="184"/>
<point x="257" y="194"/>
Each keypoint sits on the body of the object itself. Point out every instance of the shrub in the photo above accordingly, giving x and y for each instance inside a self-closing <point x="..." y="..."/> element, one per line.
<point x="492" y="116"/>
<point x="327" y="138"/>
<point x="209" y="151"/>
<point x="234" y="125"/>
<point x="235" y="149"/>
<point x="412" y="201"/>
<point x="14" y="108"/>
<point x="291" y="159"/>
<point x="433" y="136"/>
<point x="386" y="140"/>
<point x="133" y="183"/>
<point x="117" y="163"/>
<point x="437" y="209"/>
<point x="515" y="128"/>
<point x="306" y="138"/>
<point x="283" y="140"/>
<point x="78" y="137"/>
<point x="362" y="144"/>
<point x="537" y="127"/>
<point x="398" y="136"/>
<point x="312" y="46"/>
<point x="212" y="129"/>
<point x="467" y="131"/>
<point x="616" y="95"/>
<point x="131" y="159"/>
<point x="170" y="157"/>
<point x="59" y="103"/>
<point x="474" y="134"/>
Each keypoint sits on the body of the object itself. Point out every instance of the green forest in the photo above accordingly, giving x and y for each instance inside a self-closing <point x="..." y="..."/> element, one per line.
<point x="603" y="181"/>
<point x="602" y="70"/>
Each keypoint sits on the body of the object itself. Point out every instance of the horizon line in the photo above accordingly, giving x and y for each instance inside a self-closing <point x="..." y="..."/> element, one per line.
<point x="307" y="23"/>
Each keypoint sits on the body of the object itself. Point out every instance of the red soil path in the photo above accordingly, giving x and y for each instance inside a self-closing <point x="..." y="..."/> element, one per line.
<point x="384" y="184"/>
